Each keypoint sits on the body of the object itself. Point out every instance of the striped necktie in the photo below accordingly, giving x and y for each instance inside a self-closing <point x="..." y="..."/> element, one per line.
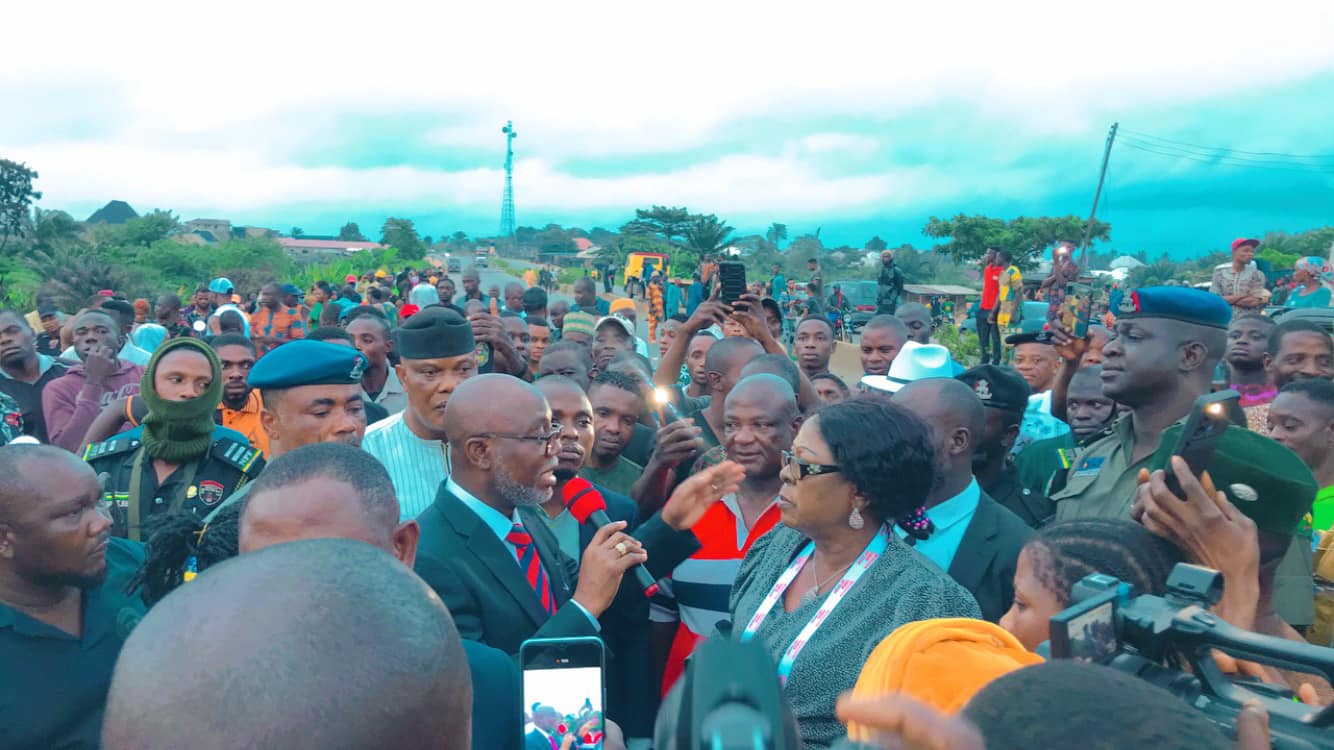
<point x="532" y="566"/>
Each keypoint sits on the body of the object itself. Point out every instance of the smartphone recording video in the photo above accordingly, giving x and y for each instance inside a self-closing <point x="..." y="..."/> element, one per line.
<point x="563" y="693"/>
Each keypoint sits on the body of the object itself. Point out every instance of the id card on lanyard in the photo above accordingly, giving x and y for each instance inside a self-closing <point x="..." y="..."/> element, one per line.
<point x="868" y="557"/>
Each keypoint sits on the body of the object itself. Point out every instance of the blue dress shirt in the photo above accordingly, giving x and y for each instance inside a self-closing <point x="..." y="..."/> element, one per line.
<point x="500" y="526"/>
<point x="951" y="519"/>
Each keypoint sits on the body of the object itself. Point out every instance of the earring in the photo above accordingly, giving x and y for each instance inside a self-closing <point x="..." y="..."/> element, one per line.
<point x="855" y="520"/>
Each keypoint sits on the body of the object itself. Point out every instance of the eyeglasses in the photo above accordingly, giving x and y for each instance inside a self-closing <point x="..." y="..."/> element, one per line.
<point x="803" y="469"/>
<point x="548" y="440"/>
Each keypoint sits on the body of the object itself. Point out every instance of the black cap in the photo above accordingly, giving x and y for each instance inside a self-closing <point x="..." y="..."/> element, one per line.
<point x="1030" y="332"/>
<point x="435" y="333"/>
<point x="998" y="387"/>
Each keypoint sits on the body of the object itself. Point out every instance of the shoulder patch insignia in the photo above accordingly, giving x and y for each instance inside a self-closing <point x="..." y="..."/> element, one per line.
<point x="108" y="448"/>
<point x="240" y="455"/>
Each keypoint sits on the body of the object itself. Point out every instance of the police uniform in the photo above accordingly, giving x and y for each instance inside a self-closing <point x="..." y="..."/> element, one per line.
<point x="1102" y="483"/>
<point x="303" y="362"/>
<point x="1004" y="390"/>
<point x="1041" y="461"/>
<point x="130" y="482"/>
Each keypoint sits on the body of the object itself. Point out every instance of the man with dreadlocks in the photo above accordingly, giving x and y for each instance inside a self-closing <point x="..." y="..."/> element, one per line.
<point x="64" y="613"/>
<point x="178" y="458"/>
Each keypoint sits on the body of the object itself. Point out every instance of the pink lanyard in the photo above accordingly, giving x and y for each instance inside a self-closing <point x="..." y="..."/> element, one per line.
<point x="868" y="557"/>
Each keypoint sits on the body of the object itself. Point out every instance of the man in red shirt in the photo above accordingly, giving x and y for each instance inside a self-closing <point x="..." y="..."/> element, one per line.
<point x="988" y="332"/>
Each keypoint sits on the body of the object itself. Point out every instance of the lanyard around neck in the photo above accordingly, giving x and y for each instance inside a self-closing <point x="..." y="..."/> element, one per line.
<point x="873" y="551"/>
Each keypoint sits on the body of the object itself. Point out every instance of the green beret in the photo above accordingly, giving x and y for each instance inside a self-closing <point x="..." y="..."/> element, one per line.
<point x="1263" y="479"/>
<point x="1178" y="303"/>
<point x="435" y="333"/>
<point x="307" y="362"/>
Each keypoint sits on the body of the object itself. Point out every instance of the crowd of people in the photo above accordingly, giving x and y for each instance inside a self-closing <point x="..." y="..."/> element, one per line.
<point x="331" y="517"/>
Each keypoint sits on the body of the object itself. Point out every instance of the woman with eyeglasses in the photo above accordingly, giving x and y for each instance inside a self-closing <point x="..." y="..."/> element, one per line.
<point x="829" y="583"/>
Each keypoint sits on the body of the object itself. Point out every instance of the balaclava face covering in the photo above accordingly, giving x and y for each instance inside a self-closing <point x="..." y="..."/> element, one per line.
<point x="180" y="430"/>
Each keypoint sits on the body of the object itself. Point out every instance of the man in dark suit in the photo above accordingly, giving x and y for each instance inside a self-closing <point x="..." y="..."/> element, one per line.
<point x="974" y="538"/>
<point x="502" y="584"/>
<point x="337" y="491"/>
<point x="631" y="700"/>
<point x="543" y="734"/>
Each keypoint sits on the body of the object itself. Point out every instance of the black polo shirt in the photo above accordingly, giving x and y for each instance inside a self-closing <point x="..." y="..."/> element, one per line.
<point x="53" y="686"/>
<point x="29" y="396"/>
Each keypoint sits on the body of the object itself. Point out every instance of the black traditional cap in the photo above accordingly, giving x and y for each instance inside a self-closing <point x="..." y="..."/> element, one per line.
<point x="435" y="333"/>
<point x="307" y="362"/>
<point x="998" y="387"/>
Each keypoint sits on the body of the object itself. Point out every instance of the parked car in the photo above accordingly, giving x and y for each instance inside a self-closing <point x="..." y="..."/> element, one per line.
<point x="482" y="260"/>
<point x="454" y="265"/>
<point x="861" y="295"/>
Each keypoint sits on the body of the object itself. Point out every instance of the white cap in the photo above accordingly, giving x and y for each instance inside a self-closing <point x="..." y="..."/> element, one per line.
<point x="914" y="362"/>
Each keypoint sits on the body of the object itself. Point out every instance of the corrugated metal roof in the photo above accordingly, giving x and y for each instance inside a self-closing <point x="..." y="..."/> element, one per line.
<point x="947" y="289"/>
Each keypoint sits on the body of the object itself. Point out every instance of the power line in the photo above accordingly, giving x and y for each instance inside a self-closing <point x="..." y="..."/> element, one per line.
<point x="1197" y="147"/>
<point x="1229" y="161"/>
<point x="1224" y="154"/>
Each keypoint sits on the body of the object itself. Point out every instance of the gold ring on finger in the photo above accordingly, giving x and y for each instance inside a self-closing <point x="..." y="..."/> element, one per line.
<point x="621" y="548"/>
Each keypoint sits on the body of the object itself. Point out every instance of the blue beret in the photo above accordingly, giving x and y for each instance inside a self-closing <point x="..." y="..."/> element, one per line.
<point x="307" y="362"/>
<point x="1178" y="303"/>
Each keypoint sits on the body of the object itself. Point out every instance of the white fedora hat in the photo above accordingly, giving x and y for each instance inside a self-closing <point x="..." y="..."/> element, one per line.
<point x="914" y="362"/>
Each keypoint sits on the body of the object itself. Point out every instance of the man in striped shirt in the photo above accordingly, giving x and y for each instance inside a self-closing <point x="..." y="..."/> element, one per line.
<point x="437" y="353"/>
<point x="760" y="419"/>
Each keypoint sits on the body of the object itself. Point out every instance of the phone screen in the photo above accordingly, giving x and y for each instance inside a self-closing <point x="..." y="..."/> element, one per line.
<point x="563" y="693"/>
<point x="1077" y="309"/>
<point x="733" y="278"/>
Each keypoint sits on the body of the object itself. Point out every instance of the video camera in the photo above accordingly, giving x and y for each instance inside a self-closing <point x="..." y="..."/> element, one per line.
<point x="1151" y="637"/>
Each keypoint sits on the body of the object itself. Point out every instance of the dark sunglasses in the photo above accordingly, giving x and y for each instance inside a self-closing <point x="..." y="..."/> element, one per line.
<point x="803" y="469"/>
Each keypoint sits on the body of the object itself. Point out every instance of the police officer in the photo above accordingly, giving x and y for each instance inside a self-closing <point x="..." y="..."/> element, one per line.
<point x="1005" y="395"/>
<point x="311" y="393"/>
<point x="178" y="459"/>
<point x="1161" y="358"/>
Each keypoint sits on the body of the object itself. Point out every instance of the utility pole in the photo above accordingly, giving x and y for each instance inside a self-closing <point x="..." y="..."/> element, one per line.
<point x="507" y="205"/>
<point x="1088" y="229"/>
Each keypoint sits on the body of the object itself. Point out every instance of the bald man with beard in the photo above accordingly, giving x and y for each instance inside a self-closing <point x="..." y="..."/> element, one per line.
<point x="472" y="536"/>
<point x="975" y="539"/>
<point x="342" y="647"/>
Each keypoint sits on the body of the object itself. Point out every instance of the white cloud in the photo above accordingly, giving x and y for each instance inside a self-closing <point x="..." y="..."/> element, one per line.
<point x="205" y="106"/>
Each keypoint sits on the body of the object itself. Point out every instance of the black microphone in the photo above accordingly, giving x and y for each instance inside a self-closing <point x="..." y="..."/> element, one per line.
<point x="585" y="503"/>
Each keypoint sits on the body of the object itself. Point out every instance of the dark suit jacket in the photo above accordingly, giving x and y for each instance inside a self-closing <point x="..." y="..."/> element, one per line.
<point x="988" y="552"/>
<point x="483" y="587"/>
<point x="631" y="699"/>
<point x="481" y="584"/>
<point x="496" y="714"/>
<point x="535" y="740"/>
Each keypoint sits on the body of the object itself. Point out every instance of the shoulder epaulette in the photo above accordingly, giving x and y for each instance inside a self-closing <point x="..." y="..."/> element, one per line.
<point x="248" y="459"/>
<point x="107" y="448"/>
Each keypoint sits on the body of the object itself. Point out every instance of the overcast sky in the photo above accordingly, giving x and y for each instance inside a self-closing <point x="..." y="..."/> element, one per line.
<point x="858" y="118"/>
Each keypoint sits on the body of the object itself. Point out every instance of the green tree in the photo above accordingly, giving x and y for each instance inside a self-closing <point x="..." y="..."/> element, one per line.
<point x="16" y="194"/>
<point x="668" y="223"/>
<point x="776" y="234"/>
<point x="298" y="232"/>
<point x="804" y="248"/>
<point x="875" y="244"/>
<point x="351" y="233"/>
<point x="554" y="241"/>
<point x="138" y="232"/>
<point x="401" y="234"/>
<point x="1025" y="237"/>
<point x="707" y="235"/>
